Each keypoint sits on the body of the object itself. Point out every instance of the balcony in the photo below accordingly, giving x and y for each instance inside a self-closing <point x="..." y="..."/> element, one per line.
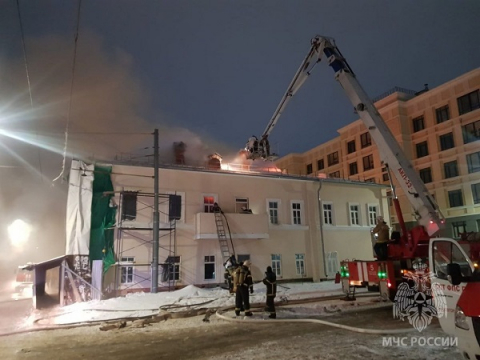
<point x="242" y="226"/>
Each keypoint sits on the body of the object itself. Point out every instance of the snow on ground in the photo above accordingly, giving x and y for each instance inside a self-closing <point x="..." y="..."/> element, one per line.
<point x="145" y="304"/>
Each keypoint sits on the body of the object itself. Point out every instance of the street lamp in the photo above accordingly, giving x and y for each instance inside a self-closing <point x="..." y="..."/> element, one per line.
<point x="19" y="232"/>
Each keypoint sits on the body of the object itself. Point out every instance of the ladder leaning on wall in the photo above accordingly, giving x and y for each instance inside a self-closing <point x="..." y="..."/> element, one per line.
<point x="222" y="238"/>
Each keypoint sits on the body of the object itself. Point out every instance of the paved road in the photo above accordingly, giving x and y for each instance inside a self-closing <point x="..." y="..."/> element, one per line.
<point x="193" y="339"/>
<point x="13" y="313"/>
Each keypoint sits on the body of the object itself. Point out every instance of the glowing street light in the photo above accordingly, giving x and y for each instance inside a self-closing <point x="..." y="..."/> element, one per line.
<point x="19" y="232"/>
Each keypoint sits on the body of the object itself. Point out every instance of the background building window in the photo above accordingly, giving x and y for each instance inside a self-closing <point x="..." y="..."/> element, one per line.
<point x="296" y="213"/>
<point x="471" y="132"/>
<point x="473" y="162"/>
<point x="335" y="174"/>
<point x="354" y="214"/>
<point x="365" y="140"/>
<point x="418" y="124"/>
<point x="320" y="164"/>
<point x="426" y="175"/>
<point x="422" y="149"/>
<point x="353" y="168"/>
<point x="273" y="212"/>
<point x="243" y="257"/>
<point x="476" y="193"/>
<point x="351" y="147"/>
<point x="372" y="215"/>
<point x="127" y="269"/>
<point x="332" y="158"/>
<point x="385" y="177"/>
<point x="469" y="102"/>
<point x="208" y="204"/>
<point x="277" y="264"/>
<point x="446" y="141"/>
<point x="450" y="168"/>
<point x="368" y="162"/>
<point x="443" y="114"/>
<point x="459" y="227"/>
<point x="300" y="264"/>
<point x="328" y="213"/>
<point x="309" y="169"/>
<point x="455" y="198"/>
<point x="241" y="204"/>
<point x="209" y="267"/>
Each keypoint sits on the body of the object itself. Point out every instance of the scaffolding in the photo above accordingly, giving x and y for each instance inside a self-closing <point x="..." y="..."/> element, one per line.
<point x="141" y="234"/>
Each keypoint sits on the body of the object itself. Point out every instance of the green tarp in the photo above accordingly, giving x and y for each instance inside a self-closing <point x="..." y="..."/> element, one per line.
<point x="103" y="218"/>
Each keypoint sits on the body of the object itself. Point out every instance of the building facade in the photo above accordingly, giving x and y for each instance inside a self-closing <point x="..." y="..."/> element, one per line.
<point x="301" y="226"/>
<point x="439" y="131"/>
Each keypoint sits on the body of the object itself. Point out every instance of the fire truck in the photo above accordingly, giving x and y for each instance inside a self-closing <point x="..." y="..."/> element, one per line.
<point x="452" y="264"/>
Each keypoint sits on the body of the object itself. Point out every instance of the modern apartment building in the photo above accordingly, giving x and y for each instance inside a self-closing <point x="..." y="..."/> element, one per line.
<point x="439" y="130"/>
<point x="301" y="226"/>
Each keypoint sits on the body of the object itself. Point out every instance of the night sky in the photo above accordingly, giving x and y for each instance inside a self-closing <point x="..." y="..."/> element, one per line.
<point x="209" y="73"/>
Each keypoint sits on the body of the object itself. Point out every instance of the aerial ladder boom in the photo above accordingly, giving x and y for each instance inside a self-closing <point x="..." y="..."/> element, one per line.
<point x="391" y="154"/>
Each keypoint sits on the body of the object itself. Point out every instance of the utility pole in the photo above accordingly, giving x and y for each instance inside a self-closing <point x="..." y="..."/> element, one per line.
<point x="156" y="229"/>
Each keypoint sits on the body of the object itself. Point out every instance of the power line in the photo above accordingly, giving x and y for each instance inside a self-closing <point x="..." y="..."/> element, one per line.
<point x="28" y="81"/>
<point x="71" y="92"/>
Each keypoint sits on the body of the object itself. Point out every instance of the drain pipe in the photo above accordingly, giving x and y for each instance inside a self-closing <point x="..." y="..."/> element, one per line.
<point x="320" y="215"/>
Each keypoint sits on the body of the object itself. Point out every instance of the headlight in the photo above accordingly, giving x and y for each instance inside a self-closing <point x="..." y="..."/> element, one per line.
<point x="461" y="319"/>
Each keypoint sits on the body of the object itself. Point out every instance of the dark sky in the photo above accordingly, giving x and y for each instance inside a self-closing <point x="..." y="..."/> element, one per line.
<point x="208" y="72"/>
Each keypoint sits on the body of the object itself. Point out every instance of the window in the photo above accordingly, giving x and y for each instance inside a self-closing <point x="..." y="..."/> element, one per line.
<point x="390" y="198"/>
<point x="277" y="264"/>
<point x="471" y="132"/>
<point x="455" y="198"/>
<point x="209" y="267"/>
<point x="473" y="162"/>
<point x="328" y="213"/>
<point x="300" y="264"/>
<point x="273" y="211"/>
<point x="446" y="252"/>
<point x="443" y="114"/>
<point x="351" y="147"/>
<point x="450" y="169"/>
<point x="446" y="141"/>
<point x="458" y="228"/>
<point x="385" y="177"/>
<point x="332" y="263"/>
<point x="320" y="164"/>
<point x="476" y="193"/>
<point x="127" y="269"/>
<point x="309" y="169"/>
<point x="129" y="205"/>
<point x="365" y="140"/>
<point x="426" y="175"/>
<point x="171" y="269"/>
<point x="354" y="214"/>
<point x="243" y="257"/>
<point x="368" y="162"/>
<point x="297" y="213"/>
<point x="241" y="204"/>
<point x="208" y="202"/>
<point x="469" y="102"/>
<point x="335" y="174"/>
<point x="353" y="168"/>
<point x="372" y="214"/>
<point x="332" y="158"/>
<point x="422" y="149"/>
<point x="372" y="180"/>
<point x="418" y="124"/>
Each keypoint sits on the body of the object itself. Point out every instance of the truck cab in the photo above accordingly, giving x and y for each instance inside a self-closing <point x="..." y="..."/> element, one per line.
<point x="454" y="265"/>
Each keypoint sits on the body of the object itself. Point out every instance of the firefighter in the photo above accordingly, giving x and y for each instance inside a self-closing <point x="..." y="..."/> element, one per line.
<point x="230" y="267"/>
<point x="383" y="233"/>
<point x="243" y="283"/>
<point x="270" y="280"/>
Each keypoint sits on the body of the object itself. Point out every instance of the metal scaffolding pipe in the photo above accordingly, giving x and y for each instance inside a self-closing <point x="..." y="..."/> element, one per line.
<point x="156" y="230"/>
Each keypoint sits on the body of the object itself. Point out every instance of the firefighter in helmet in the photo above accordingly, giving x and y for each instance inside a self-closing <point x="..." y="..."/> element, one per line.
<point x="243" y="284"/>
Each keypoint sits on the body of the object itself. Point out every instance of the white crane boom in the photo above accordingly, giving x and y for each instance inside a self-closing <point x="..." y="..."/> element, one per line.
<point x="391" y="154"/>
